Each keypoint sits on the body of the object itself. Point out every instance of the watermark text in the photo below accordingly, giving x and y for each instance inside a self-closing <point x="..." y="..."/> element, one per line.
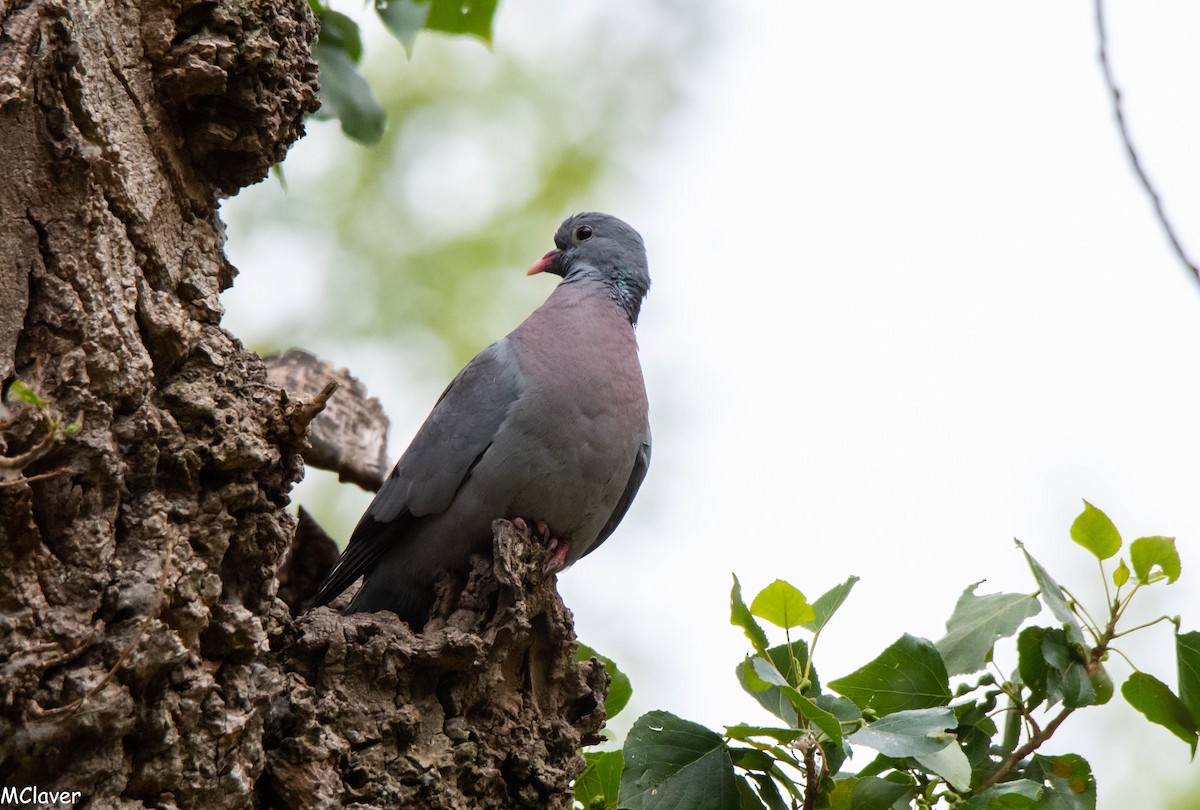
<point x="35" y="795"/>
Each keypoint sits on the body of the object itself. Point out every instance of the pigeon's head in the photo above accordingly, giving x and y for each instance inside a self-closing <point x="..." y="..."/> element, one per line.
<point x="602" y="248"/>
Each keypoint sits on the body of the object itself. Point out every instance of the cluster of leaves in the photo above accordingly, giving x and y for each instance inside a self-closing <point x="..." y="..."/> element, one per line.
<point x="972" y="745"/>
<point x="56" y="424"/>
<point x="345" y="94"/>
<point x="37" y="428"/>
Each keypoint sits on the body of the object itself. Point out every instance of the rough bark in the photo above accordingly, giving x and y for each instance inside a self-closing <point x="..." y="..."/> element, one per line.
<point x="146" y="658"/>
<point x="350" y="438"/>
<point x="485" y="708"/>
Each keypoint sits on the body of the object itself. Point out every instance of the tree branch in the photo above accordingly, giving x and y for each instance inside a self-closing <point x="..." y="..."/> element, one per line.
<point x="1025" y="750"/>
<point x="1135" y="161"/>
<point x="812" y="778"/>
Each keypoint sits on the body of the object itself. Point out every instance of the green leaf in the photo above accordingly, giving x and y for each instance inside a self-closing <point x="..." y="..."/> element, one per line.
<point x="839" y="797"/>
<point x="73" y="428"/>
<point x="825" y="721"/>
<point x="827" y="605"/>
<point x="790" y="660"/>
<point x="1070" y="683"/>
<point x="769" y="791"/>
<point x="907" y="675"/>
<point x="765" y="672"/>
<point x="1054" y="668"/>
<point x="1148" y="553"/>
<point x="1052" y="595"/>
<point x="619" y="687"/>
<point x="1187" y="653"/>
<point x="908" y="733"/>
<point x="345" y="94"/>
<point x="472" y="17"/>
<point x="949" y="762"/>
<point x="883" y="764"/>
<point x="751" y="759"/>
<point x="739" y="616"/>
<point x="768" y="696"/>
<point x="674" y="763"/>
<point x="841" y="708"/>
<point x="598" y="786"/>
<point x="1095" y="532"/>
<point x="747" y="799"/>
<point x="835" y="755"/>
<point x="23" y="393"/>
<point x="1153" y="698"/>
<point x="404" y="19"/>
<point x="1031" y="664"/>
<point x="741" y="731"/>
<point x="978" y="623"/>
<point x="1121" y="574"/>
<point x="873" y="793"/>
<point x="976" y="739"/>
<point x="1016" y="795"/>
<point x="1069" y="782"/>
<point x="339" y="31"/>
<point x="782" y="605"/>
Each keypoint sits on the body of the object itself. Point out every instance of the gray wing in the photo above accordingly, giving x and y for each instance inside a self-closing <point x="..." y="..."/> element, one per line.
<point x="440" y="458"/>
<point x="640" y="465"/>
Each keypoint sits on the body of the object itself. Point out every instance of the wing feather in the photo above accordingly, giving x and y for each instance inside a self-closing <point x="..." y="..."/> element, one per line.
<point x="641" y="464"/>
<point x="456" y="434"/>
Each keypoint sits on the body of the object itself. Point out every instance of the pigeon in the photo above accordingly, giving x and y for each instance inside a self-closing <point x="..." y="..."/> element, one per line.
<point x="547" y="427"/>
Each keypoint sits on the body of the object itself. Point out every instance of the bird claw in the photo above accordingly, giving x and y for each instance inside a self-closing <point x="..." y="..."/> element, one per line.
<point x="559" y="549"/>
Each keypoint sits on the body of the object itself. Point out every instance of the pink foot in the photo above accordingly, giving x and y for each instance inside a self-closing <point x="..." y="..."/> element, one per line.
<point x="558" y="555"/>
<point x="559" y="549"/>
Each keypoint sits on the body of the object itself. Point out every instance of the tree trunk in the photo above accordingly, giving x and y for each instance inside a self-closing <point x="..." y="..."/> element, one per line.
<point x="145" y="656"/>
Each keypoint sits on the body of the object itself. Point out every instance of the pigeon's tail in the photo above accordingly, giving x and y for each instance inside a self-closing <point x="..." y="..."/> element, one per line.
<point x="371" y="538"/>
<point x="408" y="599"/>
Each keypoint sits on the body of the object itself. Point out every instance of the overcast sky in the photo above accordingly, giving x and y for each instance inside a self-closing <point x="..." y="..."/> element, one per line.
<point x="909" y="303"/>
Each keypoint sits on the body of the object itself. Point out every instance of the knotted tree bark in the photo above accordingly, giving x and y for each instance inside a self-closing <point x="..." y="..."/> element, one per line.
<point x="146" y="657"/>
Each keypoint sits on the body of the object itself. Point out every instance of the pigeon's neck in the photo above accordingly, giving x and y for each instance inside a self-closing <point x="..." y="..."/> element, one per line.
<point x="628" y="291"/>
<point x="623" y="287"/>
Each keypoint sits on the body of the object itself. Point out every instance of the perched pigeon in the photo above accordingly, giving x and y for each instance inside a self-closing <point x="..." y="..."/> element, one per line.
<point x="547" y="425"/>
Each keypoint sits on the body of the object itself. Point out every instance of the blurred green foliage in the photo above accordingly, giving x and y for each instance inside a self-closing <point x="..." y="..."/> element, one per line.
<point x="484" y="153"/>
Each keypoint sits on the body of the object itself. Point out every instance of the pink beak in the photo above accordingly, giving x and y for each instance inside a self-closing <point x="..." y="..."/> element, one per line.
<point x="542" y="263"/>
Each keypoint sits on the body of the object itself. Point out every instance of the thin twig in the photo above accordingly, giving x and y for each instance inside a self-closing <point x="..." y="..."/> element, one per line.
<point x="1090" y="624"/>
<point x="304" y="411"/>
<point x="1142" y="627"/>
<point x="25" y="479"/>
<point x="1119" y="114"/>
<point x="1025" y="750"/>
<point x="39" y="449"/>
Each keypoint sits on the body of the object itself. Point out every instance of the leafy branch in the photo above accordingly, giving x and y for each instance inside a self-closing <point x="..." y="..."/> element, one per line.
<point x="937" y="746"/>
<point x="47" y="428"/>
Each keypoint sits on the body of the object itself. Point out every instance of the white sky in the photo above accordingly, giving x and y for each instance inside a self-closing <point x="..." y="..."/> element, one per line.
<point x="908" y="304"/>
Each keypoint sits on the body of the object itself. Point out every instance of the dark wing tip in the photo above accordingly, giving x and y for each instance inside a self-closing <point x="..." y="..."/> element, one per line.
<point x="369" y="541"/>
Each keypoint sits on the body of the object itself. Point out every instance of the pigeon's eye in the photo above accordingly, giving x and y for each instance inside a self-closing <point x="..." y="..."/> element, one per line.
<point x="583" y="233"/>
